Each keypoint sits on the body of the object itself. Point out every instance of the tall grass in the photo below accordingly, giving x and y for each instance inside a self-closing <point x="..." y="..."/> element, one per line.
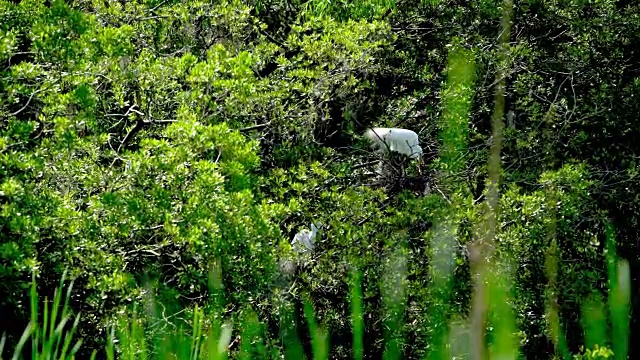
<point x="481" y="248"/>
<point x="52" y="335"/>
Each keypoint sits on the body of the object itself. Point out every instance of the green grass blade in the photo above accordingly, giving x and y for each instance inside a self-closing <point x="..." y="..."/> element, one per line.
<point x="357" y="318"/>
<point x="195" y="334"/>
<point x="319" y="340"/>
<point x="457" y="102"/>
<point x="224" y="340"/>
<point x="594" y="322"/>
<point x="252" y="345"/>
<point x="619" y="308"/>
<point x="23" y="340"/>
<point x="33" y="297"/>
<point x="505" y="345"/>
<point x="393" y="297"/>
<point x="68" y="338"/>
<point x="441" y="265"/>
<point x="212" y="335"/>
<point x="109" y="348"/>
<point x="3" y="341"/>
<point x="619" y="297"/>
<point x="74" y="350"/>
<point x="56" y="338"/>
<point x="45" y="321"/>
<point x="293" y="349"/>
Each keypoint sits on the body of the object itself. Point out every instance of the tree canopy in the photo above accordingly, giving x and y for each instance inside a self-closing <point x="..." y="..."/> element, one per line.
<point x="147" y="147"/>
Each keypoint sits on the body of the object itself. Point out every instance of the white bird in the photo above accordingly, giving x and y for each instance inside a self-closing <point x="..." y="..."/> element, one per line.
<point x="305" y="238"/>
<point x="399" y="140"/>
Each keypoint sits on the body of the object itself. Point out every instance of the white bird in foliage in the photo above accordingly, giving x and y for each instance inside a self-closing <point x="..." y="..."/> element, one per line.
<point x="304" y="240"/>
<point x="395" y="139"/>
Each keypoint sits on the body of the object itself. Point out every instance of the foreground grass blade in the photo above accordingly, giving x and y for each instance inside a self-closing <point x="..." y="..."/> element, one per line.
<point x="319" y="339"/>
<point x="292" y="345"/>
<point x="594" y="322"/>
<point x="51" y="337"/>
<point x="23" y="340"/>
<point x="252" y="345"/>
<point x="393" y="297"/>
<point x="501" y="315"/>
<point x="3" y="341"/>
<point x="357" y="318"/>
<point x="619" y="297"/>
<point x="619" y="308"/>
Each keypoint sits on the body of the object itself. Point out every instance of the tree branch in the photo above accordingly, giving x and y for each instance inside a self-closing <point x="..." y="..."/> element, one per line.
<point x="254" y="127"/>
<point x="137" y="127"/>
<point x="140" y="124"/>
<point x="28" y="102"/>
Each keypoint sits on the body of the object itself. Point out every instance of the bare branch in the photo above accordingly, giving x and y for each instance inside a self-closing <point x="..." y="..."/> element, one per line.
<point x="28" y="102"/>
<point x="129" y="111"/>
<point x="272" y="39"/>
<point x="254" y="127"/>
<point x="135" y="129"/>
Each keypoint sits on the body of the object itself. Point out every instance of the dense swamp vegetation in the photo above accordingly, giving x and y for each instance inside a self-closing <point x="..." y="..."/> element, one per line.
<point x="157" y="157"/>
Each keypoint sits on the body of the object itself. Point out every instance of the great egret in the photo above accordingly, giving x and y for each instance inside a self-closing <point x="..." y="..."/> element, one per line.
<point x="395" y="139"/>
<point x="303" y="241"/>
<point x="302" y="244"/>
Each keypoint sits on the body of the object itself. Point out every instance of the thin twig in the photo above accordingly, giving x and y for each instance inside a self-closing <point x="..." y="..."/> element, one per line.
<point x="28" y="102"/>
<point x="254" y="127"/>
<point x="136" y="128"/>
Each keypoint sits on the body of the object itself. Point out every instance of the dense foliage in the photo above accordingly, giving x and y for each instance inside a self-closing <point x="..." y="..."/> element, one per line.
<point x="148" y="148"/>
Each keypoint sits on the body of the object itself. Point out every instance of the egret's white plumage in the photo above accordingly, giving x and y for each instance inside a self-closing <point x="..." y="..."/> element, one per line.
<point x="305" y="238"/>
<point x="399" y="140"/>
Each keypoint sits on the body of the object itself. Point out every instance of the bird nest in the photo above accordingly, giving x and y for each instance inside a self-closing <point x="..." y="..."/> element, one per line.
<point x="396" y="173"/>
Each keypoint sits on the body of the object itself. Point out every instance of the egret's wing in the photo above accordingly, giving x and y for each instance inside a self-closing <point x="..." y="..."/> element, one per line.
<point x="306" y="240"/>
<point x="302" y="238"/>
